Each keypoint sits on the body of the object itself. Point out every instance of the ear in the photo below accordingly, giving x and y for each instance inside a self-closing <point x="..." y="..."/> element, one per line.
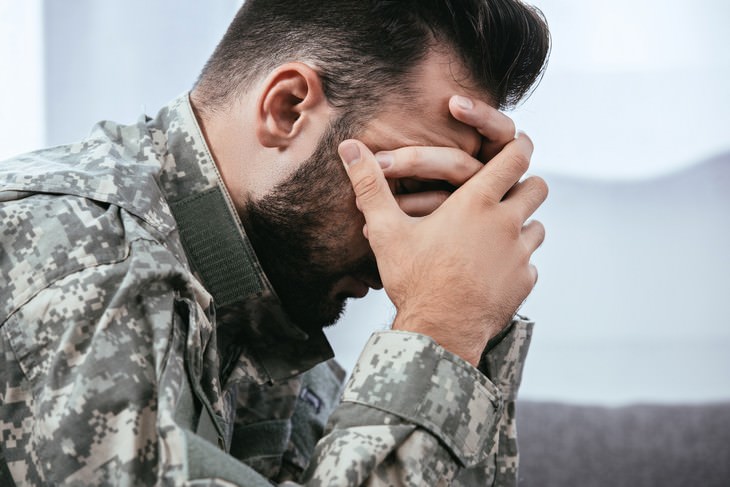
<point x="291" y="98"/>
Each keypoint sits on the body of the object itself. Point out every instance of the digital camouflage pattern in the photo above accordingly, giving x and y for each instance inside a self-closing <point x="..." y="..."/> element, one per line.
<point x="141" y="343"/>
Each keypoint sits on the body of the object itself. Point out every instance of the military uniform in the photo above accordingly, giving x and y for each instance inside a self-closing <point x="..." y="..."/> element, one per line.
<point x="141" y="343"/>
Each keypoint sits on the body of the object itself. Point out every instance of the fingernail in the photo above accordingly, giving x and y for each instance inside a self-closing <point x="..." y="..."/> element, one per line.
<point x="464" y="102"/>
<point x="385" y="159"/>
<point x="350" y="153"/>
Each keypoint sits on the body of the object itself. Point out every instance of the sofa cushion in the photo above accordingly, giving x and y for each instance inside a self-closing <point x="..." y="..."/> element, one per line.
<point x="643" y="445"/>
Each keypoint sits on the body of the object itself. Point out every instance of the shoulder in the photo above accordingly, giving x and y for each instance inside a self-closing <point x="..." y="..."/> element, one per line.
<point x="47" y="237"/>
<point x="116" y="164"/>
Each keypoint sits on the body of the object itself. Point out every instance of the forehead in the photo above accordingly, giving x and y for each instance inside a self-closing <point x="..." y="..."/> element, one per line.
<point x="424" y="118"/>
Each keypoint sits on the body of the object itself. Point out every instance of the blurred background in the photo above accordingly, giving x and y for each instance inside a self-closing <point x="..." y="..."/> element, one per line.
<point x="632" y="131"/>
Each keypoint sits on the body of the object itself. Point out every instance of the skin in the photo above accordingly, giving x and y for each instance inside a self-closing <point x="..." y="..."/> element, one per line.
<point x="455" y="266"/>
<point x="459" y="273"/>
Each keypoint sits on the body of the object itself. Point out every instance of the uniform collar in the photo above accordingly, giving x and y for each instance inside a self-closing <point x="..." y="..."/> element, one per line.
<point x="220" y="253"/>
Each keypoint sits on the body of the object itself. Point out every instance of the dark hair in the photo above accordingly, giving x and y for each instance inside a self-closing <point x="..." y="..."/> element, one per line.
<point x="363" y="49"/>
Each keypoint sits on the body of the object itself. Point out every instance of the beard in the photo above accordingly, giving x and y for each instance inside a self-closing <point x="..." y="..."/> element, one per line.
<point x="303" y="233"/>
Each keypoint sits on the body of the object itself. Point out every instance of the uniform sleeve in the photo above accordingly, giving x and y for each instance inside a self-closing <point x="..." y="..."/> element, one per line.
<point x="108" y="375"/>
<point x="99" y="387"/>
<point x="416" y="414"/>
<point x="503" y="363"/>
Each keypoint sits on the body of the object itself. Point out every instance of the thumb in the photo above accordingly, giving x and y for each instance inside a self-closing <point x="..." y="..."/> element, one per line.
<point x="372" y="192"/>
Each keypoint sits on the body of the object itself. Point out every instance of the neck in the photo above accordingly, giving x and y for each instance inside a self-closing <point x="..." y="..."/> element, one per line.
<point x="232" y="144"/>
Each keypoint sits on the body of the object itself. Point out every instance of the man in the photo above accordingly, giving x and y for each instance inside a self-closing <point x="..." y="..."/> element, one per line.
<point x="165" y="284"/>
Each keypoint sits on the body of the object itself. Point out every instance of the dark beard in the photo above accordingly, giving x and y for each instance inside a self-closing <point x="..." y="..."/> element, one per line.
<point x="298" y="232"/>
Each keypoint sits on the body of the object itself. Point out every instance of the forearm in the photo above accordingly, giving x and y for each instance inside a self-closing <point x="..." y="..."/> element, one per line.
<point x="503" y="362"/>
<point x="411" y="411"/>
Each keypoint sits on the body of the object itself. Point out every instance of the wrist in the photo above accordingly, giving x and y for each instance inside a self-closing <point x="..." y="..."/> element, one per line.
<point x="456" y="337"/>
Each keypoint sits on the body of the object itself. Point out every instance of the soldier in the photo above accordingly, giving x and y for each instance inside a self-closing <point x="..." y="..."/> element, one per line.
<point x="165" y="284"/>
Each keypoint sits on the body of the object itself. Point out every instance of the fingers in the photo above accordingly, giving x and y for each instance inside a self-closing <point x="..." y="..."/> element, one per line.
<point x="527" y="196"/>
<point x="496" y="127"/>
<point x="534" y="274"/>
<point x="373" y="195"/>
<point x="534" y="235"/>
<point x="495" y="179"/>
<point x="435" y="163"/>
<point x="421" y="204"/>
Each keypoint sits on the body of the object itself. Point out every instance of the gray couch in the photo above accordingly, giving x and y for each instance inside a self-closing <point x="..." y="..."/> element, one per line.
<point x="634" y="446"/>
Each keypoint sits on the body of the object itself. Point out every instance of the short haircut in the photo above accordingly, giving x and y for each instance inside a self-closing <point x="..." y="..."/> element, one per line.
<point x="364" y="49"/>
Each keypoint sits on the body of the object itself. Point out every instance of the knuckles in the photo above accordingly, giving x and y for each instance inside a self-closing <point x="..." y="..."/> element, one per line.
<point x="484" y="196"/>
<point x="513" y="226"/>
<point x="538" y="186"/>
<point x="532" y="236"/>
<point x="539" y="231"/>
<point x="414" y="154"/>
<point x="465" y="166"/>
<point x="520" y="161"/>
<point x="366" y="187"/>
<point x="527" y="140"/>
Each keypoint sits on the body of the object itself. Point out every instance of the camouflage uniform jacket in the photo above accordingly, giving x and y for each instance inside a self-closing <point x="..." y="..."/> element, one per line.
<point x="141" y="343"/>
